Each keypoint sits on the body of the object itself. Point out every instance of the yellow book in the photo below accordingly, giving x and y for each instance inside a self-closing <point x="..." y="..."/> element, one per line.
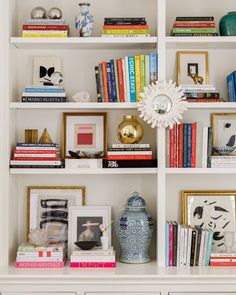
<point x="142" y="69"/>
<point x="25" y="35"/>
<point x="137" y="76"/>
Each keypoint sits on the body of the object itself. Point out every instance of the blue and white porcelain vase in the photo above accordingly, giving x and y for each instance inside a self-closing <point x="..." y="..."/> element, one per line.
<point x="134" y="229"/>
<point x="84" y="21"/>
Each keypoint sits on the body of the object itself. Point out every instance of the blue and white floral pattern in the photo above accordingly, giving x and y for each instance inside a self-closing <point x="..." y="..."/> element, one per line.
<point x="84" y="24"/>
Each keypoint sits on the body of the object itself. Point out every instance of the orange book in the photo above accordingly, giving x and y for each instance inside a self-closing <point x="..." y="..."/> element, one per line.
<point x="105" y="85"/>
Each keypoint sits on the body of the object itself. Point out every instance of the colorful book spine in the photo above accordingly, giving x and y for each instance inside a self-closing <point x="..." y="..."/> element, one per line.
<point x="101" y="82"/>
<point x="194" y="18"/>
<point x="181" y="145"/>
<point x="189" y="144"/>
<point x="193" y="144"/>
<point x="113" y="164"/>
<point x="109" y="83"/>
<point x="121" y="80"/>
<point x="231" y="87"/>
<point x="171" y="244"/>
<point x="129" y="157"/>
<point x="105" y="82"/>
<point x="142" y="72"/>
<point x="167" y="237"/>
<point x="45" y="27"/>
<point x="153" y="68"/>
<point x="40" y="264"/>
<point x="50" y="34"/>
<point x="113" y="81"/>
<point x="185" y="157"/>
<point x="127" y="84"/>
<point x="132" y="83"/>
<point x="92" y="264"/>
<point x="147" y="70"/>
<point x="124" y="27"/>
<point x="137" y="76"/>
<point x="194" y="30"/>
<point x="125" y="31"/>
<point x="99" y="99"/>
<point x="116" y="81"/>
<point x="171" y="148"/>
<point x="194" y="25"/>
<point x="43" y="99"/>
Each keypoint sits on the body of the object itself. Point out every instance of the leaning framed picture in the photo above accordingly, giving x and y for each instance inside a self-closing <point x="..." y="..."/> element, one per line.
<point x="192" y="67"/>
<point x="224" y="130"/>
<point x="213" y="210"/>
<point x="84" y="224"/>
<point x="84" y="132"/>
<point x="48" y="208"/>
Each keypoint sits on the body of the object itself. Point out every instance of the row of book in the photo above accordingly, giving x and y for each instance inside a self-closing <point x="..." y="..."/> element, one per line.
<point x="45" y="28"/>
<point x="30" y="256"/>
<point x="130" y="153"/>
<point x="201" y="93"/>
<point x="44" y="94"/>
<point x="125" y="27"/>
<point x="187" y="246"/>
<point x="36" y="155"/>
<point x="95" y="258"/>
<point x="194" y="26"/>
<point x="122" y="80"/>
<point x="231" y="86"/>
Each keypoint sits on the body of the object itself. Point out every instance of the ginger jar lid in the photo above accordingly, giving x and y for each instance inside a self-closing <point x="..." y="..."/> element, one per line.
<point x="135" y="201"/>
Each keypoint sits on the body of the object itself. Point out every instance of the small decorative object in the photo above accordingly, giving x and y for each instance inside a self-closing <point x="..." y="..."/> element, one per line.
<point x="38" y="13"/>
<point x="162" y="104"/>
<point x="104" y="237"/>
<point x="45" y="137"/>
<point x="85" y="132"/>
<point x="192" y="67"/>
<point x="129" y="131"/>
<point x="55" y="13"/>
<point x="31" y="135"/>
<point x="38" y="237"/>
<point x="86" y="245"/>
<point x="228" y="241"/>
<point x="81" y="96"/>
<point x="213" y="210"/>
<point x="224" y="151"/>
<point x="134" y="229"/>
<point x="56" y="78"/>
<point x="84" y="21"/>
<point x="227" y="24"/>
<point x="85" y="155"/>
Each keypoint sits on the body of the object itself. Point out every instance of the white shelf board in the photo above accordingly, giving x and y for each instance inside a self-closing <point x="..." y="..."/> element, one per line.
<point x="200" y="170"/>
<point x="211" y="105"/>
<point x="217" y="42"/>
<point x="85" y="43"/>
<point x="98" y="171"/>
<point x="73" y="105"/>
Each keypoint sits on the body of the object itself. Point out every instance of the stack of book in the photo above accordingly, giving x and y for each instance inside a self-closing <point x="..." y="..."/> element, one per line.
<point x="95" y="258"/>
<point x="181" y="145"/>
<point x="45" y="28"/>
<point x="36" y="155"/>
<point x="194" y="26"/>
<point x="83" y="163"/>
<point x="231" y="86"/>
<point x="201" y="93"/>
<point x="187" y="246"/>
<point x="125" y="27"/>
<point x="30" y="256"/>
<point x="223" y="259"/>
<point x="223" y="161"/>
<point x="44" y="94"/>
<point x="122" y="80"/>
<point x="129" y="152"/>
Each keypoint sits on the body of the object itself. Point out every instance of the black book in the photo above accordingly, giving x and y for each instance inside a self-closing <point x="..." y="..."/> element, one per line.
<point x="124" y="19"/>
<point x="129" y="163"/>
<point x="194" y="18"/>
<point x="202" y="94"/>
<point x="199" y="238"/>
<point x="192" y="253"/>
<point x="43" y="99"/>
<point x="175" y="242"/>
<point x="209" y="147"/>
<point x="97" y="77"/>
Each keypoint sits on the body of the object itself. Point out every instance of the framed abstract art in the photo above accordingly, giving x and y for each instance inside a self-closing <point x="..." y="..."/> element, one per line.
<point x="84" y="132"/>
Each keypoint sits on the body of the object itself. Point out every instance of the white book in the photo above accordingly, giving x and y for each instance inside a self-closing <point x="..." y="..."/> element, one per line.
<point x="137" y="145"/>
<point x="181" y="245"/>
<point x="93" y="258"/>
<point x="185" y="244"/>
<point x="228" y="255"/>
<point x="83" y="163"/>
<point x="25" y="247"/>
<point x="112" y="153"/>
<point x="178" y="245"/>
<point x="35" y="155"/>
<point x="223" y="165"/>
<point x="45" y="22"/>
<point x="94" y="251"/>
<point x="223" y="159"/>
<point x="124" y="79"/>
<point x="189" y="245"/>
<point x="44" y="32"/>
<point x="44" y="94"/>
<point x="35" y="148"/>
<point x="47" y="163"/>
<point x="127" y="79"/>
<point x="147" y="70"/>
<point x="204" y="146"/>
<point x="39" y="259"/>
<point x="200" y="260"/>
<point x="39" y="254"/>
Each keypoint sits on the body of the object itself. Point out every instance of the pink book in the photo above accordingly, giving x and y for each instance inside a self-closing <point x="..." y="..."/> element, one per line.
<point x="93" y="264"/>
<point x="40" y="264"/>
<point x="171" y="244"/>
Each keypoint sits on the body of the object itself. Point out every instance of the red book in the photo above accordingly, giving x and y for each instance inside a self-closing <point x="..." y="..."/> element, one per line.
<point x="172" y="148"/>
<point x="222" y="263"/>
<point x="194" y="25"/>
<point x="176" y="143"/>
<point x="45" y="27"/>
<point x="93" y="264"/>
<point x="130" y="157"/>
<point x="36" y="152"/>
<point x="193" y="145"/>
<point x="189" y="99"/>
<point x="105" y="82"/>
<point x="121" y="27"/>
<point x="40" y="264"/>
<point x="171" y="244"/>
<point x="121" y="80"/>
<point x="34" y="159"/>
<point x="181" y="145"/>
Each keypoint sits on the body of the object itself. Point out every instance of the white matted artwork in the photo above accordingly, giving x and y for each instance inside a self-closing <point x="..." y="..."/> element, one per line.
<point x="84" y="224"/>
<point x="48" y="208"/>
<point x="44" y="67"/>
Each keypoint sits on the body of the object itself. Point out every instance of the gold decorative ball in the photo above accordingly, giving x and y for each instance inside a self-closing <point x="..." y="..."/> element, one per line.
<point x="129" y="131"/>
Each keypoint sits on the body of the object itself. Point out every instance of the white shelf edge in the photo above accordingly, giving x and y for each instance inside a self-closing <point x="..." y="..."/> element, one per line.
<point x="200" y="170"/>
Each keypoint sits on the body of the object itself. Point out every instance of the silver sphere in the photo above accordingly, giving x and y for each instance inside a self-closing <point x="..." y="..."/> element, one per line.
<point x="56" y="78"/>
<point x="38" y="13"/>
<point x="55" y="13"/>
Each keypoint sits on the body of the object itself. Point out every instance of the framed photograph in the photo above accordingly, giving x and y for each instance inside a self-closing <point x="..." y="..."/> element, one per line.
<point x="84" y="224"/>
<point x="48" y="208"/>
<point x="213" y="210"/>
<point x="85" y="132"/>
<point x="223" y="130"/>
<point x="190" y="65"/>
<point x="44" y="67"/>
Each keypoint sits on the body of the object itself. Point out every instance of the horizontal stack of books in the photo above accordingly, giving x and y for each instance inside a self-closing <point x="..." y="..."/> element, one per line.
<point x="83" y="163"/>
<point x="122" y="80"/>
<point x="223" y="259"/>
<point x="231" y="86"/>
<point x="36" y="155"/>
<point x="181" y="145"/>
<point x="125" y="27"/>
<point x="201" y="93"/>
<point x="95" y="258"/>
<point x="30" y="256"/>
<point x="194" y="26"/>
<point x="44" y="94"/>
<point x="187" y="246"/>
<point x="45" y="28"/>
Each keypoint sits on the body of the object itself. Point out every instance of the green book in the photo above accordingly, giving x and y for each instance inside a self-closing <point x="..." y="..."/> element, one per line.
<point x="142" y="68"/>
<point x="194" y="30"/>
<point x="125" y="31"/>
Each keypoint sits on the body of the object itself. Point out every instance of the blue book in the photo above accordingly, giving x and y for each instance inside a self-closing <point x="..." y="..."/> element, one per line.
<point x="110" y="94"/>
<point x="153" y="67"/>
<point x="209" y="246"/>
<point x="44" y="90"/>
<point x="131" y="68"/>
<point x="185" y="146"/>
<point x="113" y="80"/>
<point x="189" y="144"/>
<point x="167" y="258"/>
<point x="231" y="87"/>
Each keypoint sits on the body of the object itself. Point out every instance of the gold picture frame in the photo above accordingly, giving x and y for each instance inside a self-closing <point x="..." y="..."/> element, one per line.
<point x="101" y="144"/>
<point x="210" y="209"/>
<point x="49" y="204"/>
<point x="203" y="71"/>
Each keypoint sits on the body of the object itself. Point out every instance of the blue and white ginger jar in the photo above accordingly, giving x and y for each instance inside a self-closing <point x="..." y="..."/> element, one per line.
<point x="84" y="21"/>
<point x="134" y="229"/>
